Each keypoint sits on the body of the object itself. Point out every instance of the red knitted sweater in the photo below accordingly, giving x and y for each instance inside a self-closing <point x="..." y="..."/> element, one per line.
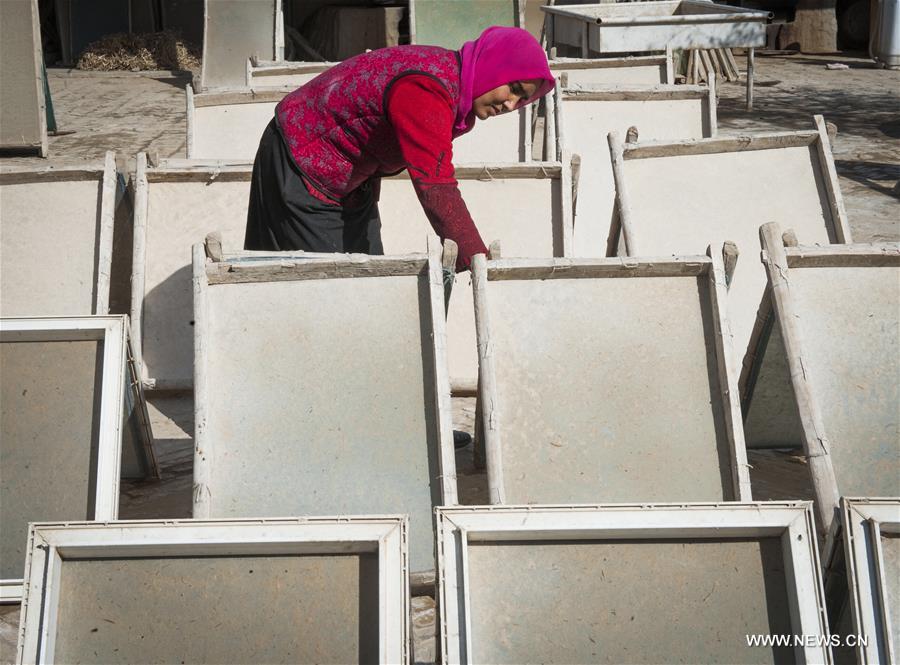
<point x="421" y="112"/>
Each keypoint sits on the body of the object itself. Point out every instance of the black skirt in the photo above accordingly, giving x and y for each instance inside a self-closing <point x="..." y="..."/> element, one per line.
<point x="284" y="216"/>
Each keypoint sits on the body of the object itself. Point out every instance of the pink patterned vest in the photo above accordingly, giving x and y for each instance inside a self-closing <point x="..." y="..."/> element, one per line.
<point x="336" y="125"/>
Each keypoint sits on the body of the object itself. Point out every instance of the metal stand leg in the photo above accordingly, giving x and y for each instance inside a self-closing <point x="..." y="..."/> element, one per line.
<point x="750" y="60"/>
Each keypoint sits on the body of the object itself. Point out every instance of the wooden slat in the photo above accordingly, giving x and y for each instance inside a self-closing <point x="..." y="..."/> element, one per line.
<point x="719" y="144"/>
<point x="665" y="266"/>
<point x="285" y="271"/>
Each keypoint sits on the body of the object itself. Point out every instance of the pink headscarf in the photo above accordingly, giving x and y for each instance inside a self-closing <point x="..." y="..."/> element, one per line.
<point x="499" y="56"/>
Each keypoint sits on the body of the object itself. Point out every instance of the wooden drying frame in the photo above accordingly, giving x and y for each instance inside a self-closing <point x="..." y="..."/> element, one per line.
<point x="621" y="152"/>
<point x="42" y="147"/>
<point x="792" y="522"/>
<point x="859" y="535"/>
<point x="109" y="177"/>
<point x="711" y="266"/>
<point x="664" y="60"/>
<point x="277" y="37"/>
<point x="223" y="97"/>
<point x="778" y="302"/>
<point x="287" y="266"/>
<point x="51" y="543"/>
<point x="172" y="170"/>
<point x="112" y="331"/>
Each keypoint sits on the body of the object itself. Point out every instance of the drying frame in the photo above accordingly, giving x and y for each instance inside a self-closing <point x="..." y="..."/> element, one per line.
<point x="52" y="543"/>
<point x="618" y="68"/>
<point x="665" y="111"/>
<point x="206" y="172"/>
<point x="622" y="152"/>
<point x="484" y="271"/>
<point x="112" y="331"/>
<point x="792" y="522"/>
<point x="25" y="44"/>
<point x="268" y="42"/>
<point x="247" y="267"/>
<point x="238" y="99"/>
<point x="106" y="205"/>
<point x="863" y="521"/>
<point x="779" y="302"/>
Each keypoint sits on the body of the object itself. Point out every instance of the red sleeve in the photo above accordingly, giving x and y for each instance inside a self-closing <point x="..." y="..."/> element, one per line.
<point x="421" y="112"/>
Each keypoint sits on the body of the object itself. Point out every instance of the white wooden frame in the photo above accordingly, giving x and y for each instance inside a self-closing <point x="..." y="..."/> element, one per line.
<point x="112" y="331"/>
<point x="37" y="58"/>
<point x="108" y="175"/>
<point x="778" y="261"/>
<point x="291" y="266"/>
<point x="792" y="522"/>
<point x="863" y="522"/>
<point x="484" y="271"/>
<point x="51" y="543"/>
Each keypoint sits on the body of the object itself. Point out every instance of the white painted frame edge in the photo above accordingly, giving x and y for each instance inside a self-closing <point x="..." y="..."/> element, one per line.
<point x="710" y="265"/>
<point x="50" y="543"/>
<point x="113" y="332"/>
<point x="792" y="521"/>
<point x="865" y="519"/>
<point x="432" y="270"/>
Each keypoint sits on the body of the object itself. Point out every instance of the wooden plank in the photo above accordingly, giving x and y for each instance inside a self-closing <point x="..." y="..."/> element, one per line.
<point x="286" y="271"/>
<point x="815" y="441"/>
<point x="832" y="186"/>
<point x="630" y="93"/>
<point x="582" y="268"/>
<point x="746" y="142"/>
<point x="487" y="383"/>
<point x="844" y="256"/>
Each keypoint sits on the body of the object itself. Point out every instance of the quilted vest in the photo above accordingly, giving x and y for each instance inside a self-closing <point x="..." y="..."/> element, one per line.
<point x="336" y="125"/>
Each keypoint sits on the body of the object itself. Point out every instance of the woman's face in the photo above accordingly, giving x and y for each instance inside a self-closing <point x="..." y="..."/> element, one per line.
<point x="505" y="98"/>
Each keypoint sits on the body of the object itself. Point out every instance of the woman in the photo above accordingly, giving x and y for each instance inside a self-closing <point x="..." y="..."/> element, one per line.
<point x="316" y="175"/>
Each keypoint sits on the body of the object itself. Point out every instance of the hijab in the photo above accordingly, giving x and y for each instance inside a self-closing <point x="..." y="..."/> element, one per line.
<point x="499" y="56"/>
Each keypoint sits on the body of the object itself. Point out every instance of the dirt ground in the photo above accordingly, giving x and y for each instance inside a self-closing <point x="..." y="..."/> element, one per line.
<point x="133" y="112"/>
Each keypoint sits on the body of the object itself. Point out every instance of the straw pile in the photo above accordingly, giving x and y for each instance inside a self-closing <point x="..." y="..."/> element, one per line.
<point x="133" y="52"/>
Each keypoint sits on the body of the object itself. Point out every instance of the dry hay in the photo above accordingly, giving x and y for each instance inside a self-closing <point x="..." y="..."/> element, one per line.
<point x="136" y="52"/>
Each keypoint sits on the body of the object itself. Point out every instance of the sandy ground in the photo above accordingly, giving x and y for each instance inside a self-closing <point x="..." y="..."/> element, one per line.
<point x="132" y="112"/>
